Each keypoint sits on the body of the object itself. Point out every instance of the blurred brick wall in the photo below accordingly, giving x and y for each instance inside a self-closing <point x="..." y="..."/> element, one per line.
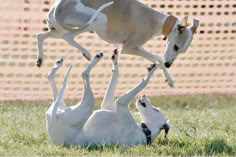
<point x="209" y="65"/>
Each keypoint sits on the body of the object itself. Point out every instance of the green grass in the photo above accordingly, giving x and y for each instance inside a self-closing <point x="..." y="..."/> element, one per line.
<point x="202" y="125"/>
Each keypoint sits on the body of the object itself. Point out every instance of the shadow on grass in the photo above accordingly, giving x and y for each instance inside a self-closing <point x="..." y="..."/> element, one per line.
<point x="199" y="147"/>
<point x="173" y="147"/>
<point x="93" y="147"/>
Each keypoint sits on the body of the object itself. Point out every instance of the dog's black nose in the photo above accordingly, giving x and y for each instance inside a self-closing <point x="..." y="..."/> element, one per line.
<point x="167" y="64"/>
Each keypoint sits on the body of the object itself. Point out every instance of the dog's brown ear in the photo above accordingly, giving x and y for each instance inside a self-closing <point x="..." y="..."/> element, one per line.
<point x="195" y="25"/>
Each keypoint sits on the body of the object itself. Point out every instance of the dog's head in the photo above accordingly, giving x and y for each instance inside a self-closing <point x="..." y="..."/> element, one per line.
<point x="179" y="39"/>
<point x="151" y="115"/>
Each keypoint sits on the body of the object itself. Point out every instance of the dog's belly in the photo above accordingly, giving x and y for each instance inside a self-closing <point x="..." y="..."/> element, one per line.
<point x="105" y="127"/>
<point x="113" y="37"/>
<point x="119" y="24"/>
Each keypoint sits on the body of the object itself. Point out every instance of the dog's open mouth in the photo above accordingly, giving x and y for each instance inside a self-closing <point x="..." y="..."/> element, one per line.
<point x="141" y="102"/>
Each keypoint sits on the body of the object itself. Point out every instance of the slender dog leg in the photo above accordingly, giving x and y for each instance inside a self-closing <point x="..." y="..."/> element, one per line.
<point x="70" y="39"/>
<point x="125" y="99"/>
<point x="51" y="79"/>
<point x="79" y="114"/>
<point x="139" y="51"/>
<point x="108" y="100"/>
<point x="87" y="89"/>
<point x="40" y="40"/>
<point x="59" y="98"/>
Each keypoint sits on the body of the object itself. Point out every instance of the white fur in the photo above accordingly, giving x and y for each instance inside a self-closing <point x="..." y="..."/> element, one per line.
<point x="112" y="124"/>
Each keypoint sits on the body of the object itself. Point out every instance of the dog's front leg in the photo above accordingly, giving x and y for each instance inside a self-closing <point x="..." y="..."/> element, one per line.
<point x="108" y="100"/>
<point x="40" y="41"/>
<point x="125" y="99"/>
<point x="139" y="51"/>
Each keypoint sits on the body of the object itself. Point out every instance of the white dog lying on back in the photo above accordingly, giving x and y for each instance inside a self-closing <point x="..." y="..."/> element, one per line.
<point x="112" y="124"/>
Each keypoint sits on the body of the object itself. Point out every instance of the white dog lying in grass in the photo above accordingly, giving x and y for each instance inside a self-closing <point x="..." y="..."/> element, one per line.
<point x="112" y="124"/>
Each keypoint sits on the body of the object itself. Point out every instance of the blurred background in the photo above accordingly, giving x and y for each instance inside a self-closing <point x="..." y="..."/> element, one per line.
<point x="209" y="65"/>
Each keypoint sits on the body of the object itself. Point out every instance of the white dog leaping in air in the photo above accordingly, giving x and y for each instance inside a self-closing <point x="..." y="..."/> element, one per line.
<point x="112" y="124"/>
<point x="126" y="22"/>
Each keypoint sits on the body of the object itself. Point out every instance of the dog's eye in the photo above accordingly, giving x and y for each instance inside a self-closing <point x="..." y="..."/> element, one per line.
<point x="176" y="47"/>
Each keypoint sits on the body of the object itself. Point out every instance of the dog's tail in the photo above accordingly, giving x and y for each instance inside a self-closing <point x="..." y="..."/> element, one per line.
<point x="92" y="19"/>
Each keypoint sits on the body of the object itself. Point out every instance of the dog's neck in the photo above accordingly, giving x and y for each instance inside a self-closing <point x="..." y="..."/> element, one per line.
<point x="164" y="23"/>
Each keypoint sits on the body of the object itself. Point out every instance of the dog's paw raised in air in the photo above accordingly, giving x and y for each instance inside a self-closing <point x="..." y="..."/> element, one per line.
<point x="99" y="55"/>
<point x="59" y="61"/>
<point x="151" y="67"/>
<point x="57" y="65"/>
<point x="115" y="52"/>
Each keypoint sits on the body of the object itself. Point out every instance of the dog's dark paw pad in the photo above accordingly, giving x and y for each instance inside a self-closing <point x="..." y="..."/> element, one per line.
<point x="39" y="62"/>
<point x="115" y="52"/>
<point x="151" y="67"/>
<point x="59" y="61"/>
<point x="99" y="55"/>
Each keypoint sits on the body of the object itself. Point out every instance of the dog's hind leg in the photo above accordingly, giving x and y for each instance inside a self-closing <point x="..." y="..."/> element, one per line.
<point x="125" y="99"/>
<point x="78" y="115"/>
<point x="56" y="104"/>
<point x="108" y="100"/>
<point x="70" y="39"/>
<point x="72" y="20"/>
<point x="51" y="79"/>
